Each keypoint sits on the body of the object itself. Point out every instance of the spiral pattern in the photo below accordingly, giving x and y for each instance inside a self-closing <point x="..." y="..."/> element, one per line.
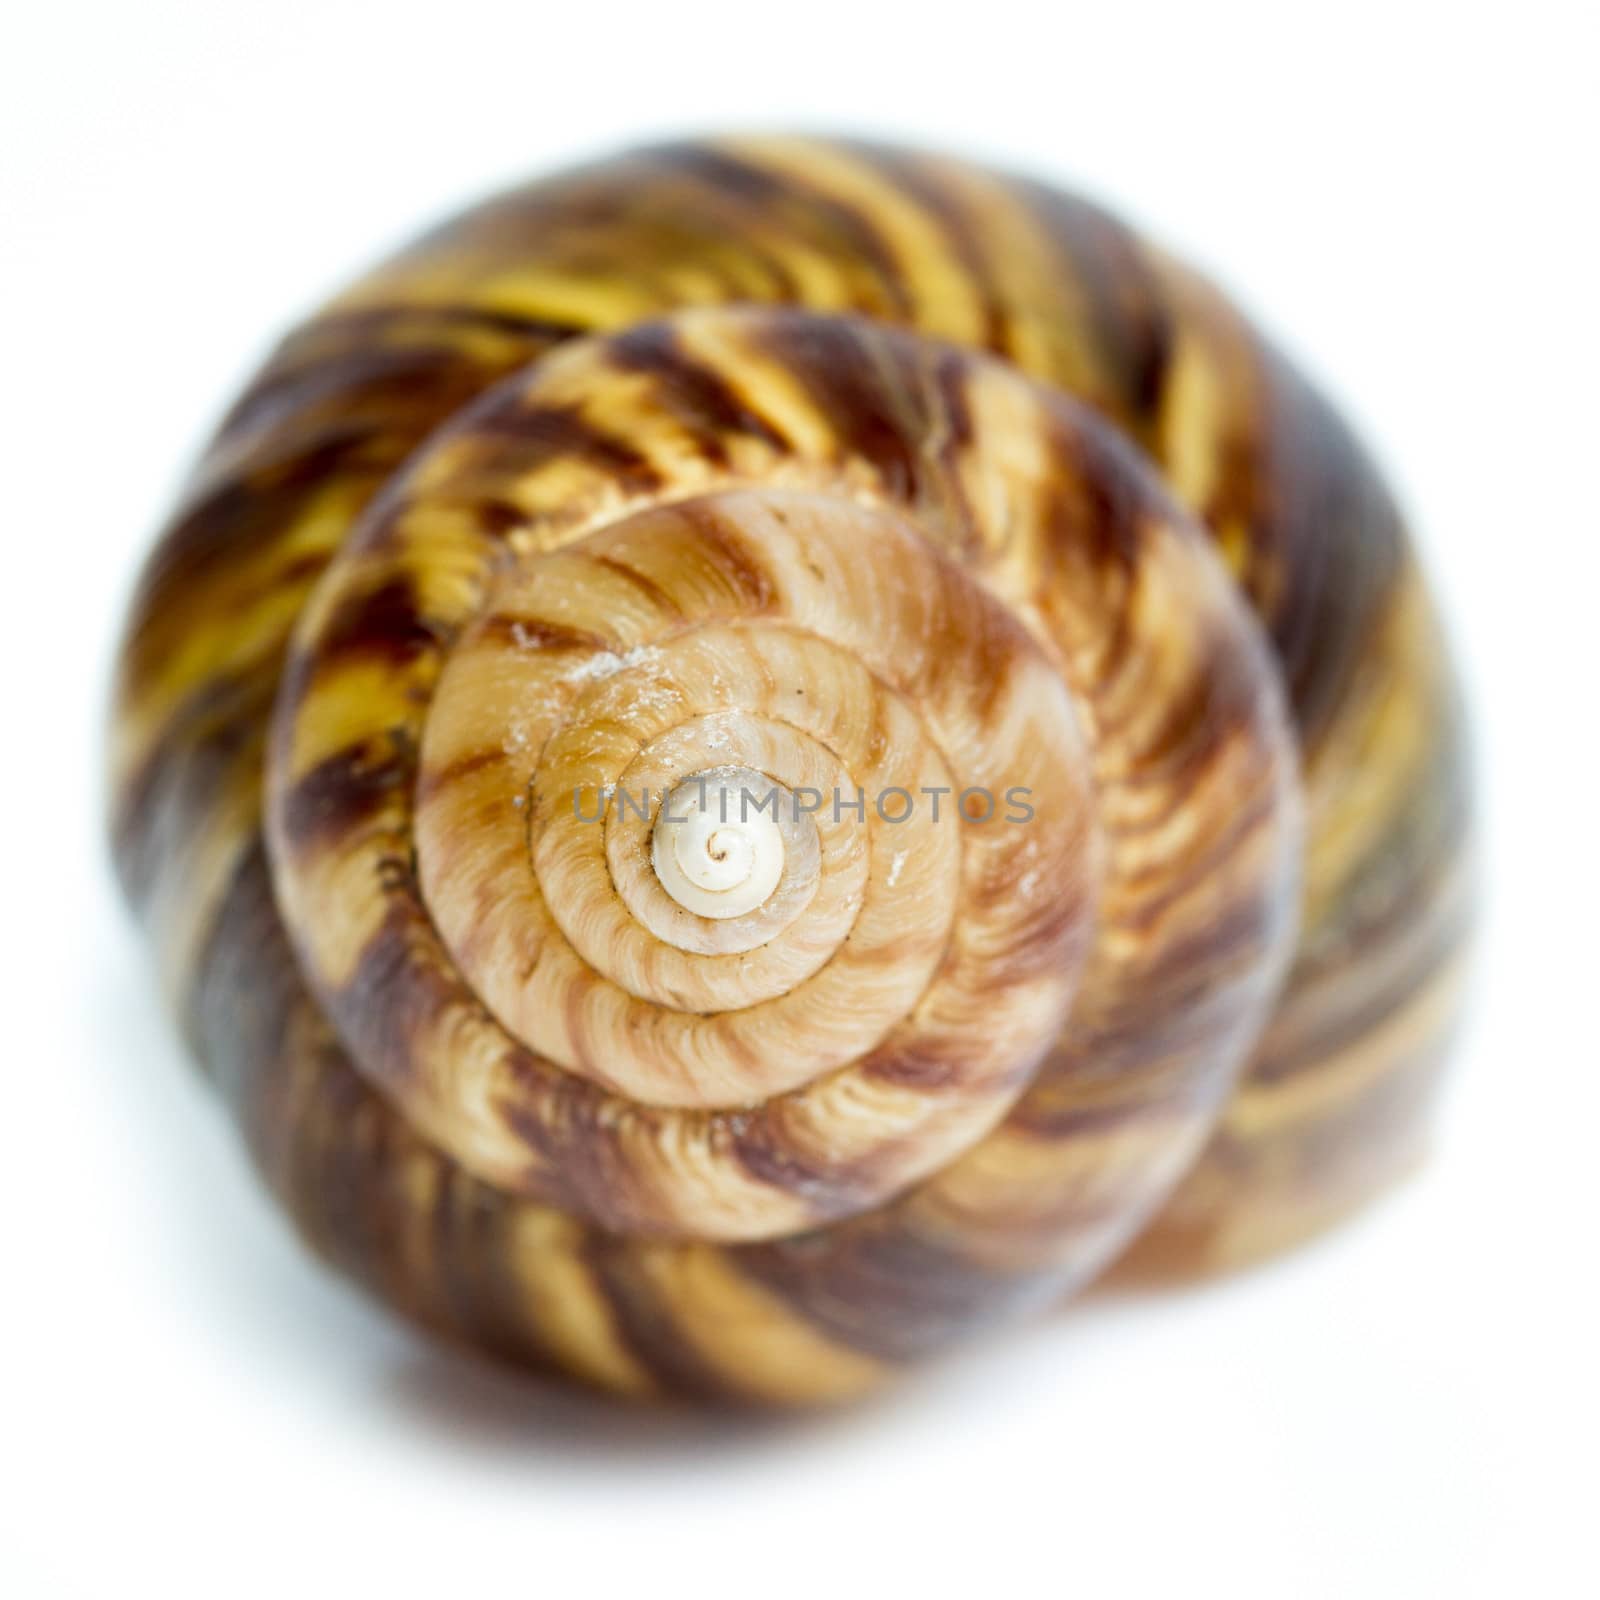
<point x="1087" y="734"/>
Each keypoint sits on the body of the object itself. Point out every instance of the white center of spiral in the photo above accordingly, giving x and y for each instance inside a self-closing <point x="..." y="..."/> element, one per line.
<point x="717" y="846"/>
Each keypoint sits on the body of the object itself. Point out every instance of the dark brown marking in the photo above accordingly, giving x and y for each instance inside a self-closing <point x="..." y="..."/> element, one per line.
<point x="385" y="623"/>
<point x="341" y="794"/>
<point x="538" y="633"/>
<point x="705" y="400"/>
<point x="1128" y="316"/>
<point x="547" y="430"/>
<point x="860" y="379"/>
<point x="839" y="228"/>
<point x="747" y="576"/>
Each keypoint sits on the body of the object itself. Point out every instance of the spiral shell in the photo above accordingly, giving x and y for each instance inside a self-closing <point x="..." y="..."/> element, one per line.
<point x="750" y="759"/>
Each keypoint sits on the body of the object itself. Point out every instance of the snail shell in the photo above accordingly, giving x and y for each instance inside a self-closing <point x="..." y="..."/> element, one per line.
<point x="765" y="469"/>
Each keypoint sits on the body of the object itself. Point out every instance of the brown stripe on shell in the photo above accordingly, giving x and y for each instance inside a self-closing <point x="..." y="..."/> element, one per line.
<point x="890" y="1293"/>
<point x="918" y="179"/>
<point x="342" y="794"/>
<point x="1323" y="509"/>
<point x="648" y="1330"/>
<point x="554" y="430"/>
<point x="385" y="622"/>
<point x="708" y="400"/>
<point x="810" y="212"/>
<point x="852" y="386"/>
<point x="539" y="633"/>
<point x="183" y="778"/>
<point x="1132" y="323"/>
<point x="745" y="573"/>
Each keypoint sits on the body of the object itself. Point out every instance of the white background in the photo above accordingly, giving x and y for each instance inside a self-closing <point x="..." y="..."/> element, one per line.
<point x="1407" y="195"/>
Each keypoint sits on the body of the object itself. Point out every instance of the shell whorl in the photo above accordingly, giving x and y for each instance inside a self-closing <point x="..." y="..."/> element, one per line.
<point x="567" y="1036"/>
<point x="725" y="838"/>
<point x="1133" y="755"/>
